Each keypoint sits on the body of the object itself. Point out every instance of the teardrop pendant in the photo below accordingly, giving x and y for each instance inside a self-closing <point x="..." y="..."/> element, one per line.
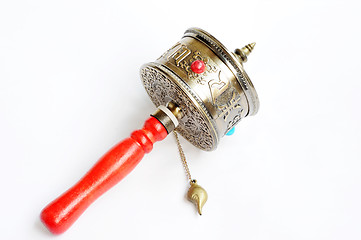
<point x="197" y="195"/>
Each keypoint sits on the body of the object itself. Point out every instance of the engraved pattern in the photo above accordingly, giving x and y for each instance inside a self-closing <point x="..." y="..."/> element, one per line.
<point x="180" y="52"/>
<point x="200" y="78"/>
<point x="216" y="87"/>
<point x="228" y="102"/>
<point x="224" y="55"/>
<point x="234" y="121"/>
<point x="192" y="126"/>
<point x="247" y="86"/>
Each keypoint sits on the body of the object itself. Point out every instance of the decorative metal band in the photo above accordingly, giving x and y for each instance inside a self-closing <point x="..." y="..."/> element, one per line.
<point x="165" y="119"/>
<point x="223" y="54"/>
<point x="163" y="86"/>
<point x="169" y="114"/>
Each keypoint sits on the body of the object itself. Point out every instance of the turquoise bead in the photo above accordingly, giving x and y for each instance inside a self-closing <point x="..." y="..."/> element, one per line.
<point x="230" y="132"/>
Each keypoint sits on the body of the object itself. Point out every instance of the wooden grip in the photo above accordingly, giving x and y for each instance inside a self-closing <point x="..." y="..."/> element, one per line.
<point x="60" y="214"/>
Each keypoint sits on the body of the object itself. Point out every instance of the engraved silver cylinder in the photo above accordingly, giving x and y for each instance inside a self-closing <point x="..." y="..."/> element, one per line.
<point x="212" y="102"/>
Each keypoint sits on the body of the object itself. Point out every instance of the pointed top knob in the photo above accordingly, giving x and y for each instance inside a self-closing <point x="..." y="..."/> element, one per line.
<point x="242" y="53"/>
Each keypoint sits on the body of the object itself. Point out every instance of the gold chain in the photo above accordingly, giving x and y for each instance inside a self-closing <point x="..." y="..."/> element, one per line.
<point x="183" y="157"/>
<point x="196" y="193"/>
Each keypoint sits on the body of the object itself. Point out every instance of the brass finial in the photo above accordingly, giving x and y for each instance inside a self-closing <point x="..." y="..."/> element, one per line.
<point x="244" y="52"/>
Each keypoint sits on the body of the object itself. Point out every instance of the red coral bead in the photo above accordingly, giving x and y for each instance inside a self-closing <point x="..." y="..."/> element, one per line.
<point x="198" y="66"/>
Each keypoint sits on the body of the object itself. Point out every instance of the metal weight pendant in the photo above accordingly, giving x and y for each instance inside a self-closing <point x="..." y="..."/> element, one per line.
<point x="200" y="88"/>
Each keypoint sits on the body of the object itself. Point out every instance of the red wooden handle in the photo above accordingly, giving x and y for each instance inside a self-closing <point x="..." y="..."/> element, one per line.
<point x="60" y="214"/>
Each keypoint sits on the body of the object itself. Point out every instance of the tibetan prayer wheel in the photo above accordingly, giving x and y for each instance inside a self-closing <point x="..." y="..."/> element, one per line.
<point x="201" y="90"/>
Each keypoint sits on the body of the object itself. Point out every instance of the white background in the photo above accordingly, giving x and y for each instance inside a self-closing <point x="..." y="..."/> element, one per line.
<point x="70" y="89"/>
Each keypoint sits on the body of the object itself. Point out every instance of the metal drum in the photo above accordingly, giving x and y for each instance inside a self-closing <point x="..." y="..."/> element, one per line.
<point x="213" y="101"/>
